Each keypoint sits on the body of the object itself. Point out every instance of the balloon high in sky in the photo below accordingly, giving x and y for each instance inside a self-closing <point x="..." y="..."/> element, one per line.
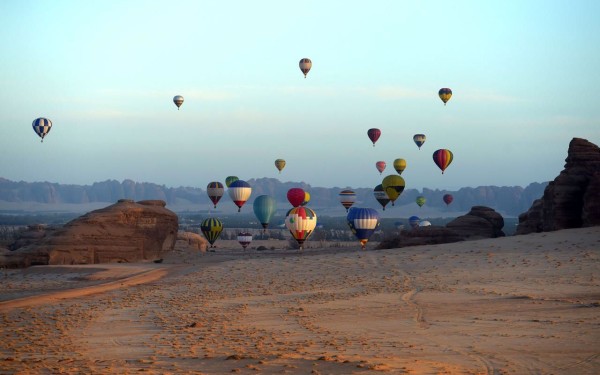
<point x="108" y="88"/>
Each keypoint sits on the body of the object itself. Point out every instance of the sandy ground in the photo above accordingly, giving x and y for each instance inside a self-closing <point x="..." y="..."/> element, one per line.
<point x="516" y="305"/>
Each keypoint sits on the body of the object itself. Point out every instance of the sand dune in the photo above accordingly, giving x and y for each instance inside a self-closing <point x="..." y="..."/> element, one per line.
<point x="516" y="305"/>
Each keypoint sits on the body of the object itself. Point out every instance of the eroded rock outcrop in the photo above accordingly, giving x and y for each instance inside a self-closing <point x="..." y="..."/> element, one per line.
<point x="431" y="235"/>
<point x="123" y="232"/>
<point x="480" y="222"/>
<point x="572" y="200"/>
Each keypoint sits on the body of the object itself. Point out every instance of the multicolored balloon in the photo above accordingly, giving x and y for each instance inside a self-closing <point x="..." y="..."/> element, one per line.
<point x="178" y="100"/>
<point x="420" y="200"/>
<point x="306" y="198"/>
<point x="41" y="127"/>
<point x="374" y="135"/>
<point x="279" y="164"/>
<point x="230" y="179"/>
<point x="347" y="198"/>
<point x="448" y="198"/>
<point x="442" y="158"/>
<point x="264" y="208"/>
<point x="244" y="238"/>
<point x="414" y="221"/>
<point x="215" y="191"/>
<point x="380" y="165"/>
<point x="445" y="94"/>
<point x="399" y="165"/>
<point x="381" y="196"/>
<point x="393" y="185"/>
<point x="240" y="192"/>
<point x="296" y="196"/>
<point x="211" y="228"/>
<point x="301" y="222"/>
<point x="363" y="222"/>
<point x="305" y="65"/>
<point x="419" y="139"/>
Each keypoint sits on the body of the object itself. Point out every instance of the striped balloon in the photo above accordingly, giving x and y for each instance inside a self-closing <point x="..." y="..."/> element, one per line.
<point x="41" y="127"/>
<point x="215" y="191"/>
<point x="419" y="139"/>
<point x="381" y="196"/>
<point x="305" y="65"/>
<point x="363" y="222"/>
<point x="301" y="222"/>
<point x="211" y="228"/>
<point x="239" y="192"/>
<point x="347" y="198"/>
<point x="445" y="94"/>
<point x="442" y="158"/>
<point x="244" y="238"/>
<point x="178" y="100"/>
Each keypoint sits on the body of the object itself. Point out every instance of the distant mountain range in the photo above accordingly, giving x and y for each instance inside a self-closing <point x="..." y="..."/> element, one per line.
<point x="508" y="200"/>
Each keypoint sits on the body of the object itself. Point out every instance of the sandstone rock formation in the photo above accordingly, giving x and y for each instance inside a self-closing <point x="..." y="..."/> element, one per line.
<point x="480" y="222"/>
<point x="430" y="235"/>
<point x="123" y="232"/>
<point x="190" y="241"/>
<point x="572" y="200"/>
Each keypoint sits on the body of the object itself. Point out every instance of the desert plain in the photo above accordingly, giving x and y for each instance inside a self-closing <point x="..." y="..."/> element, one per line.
<point x="513" y="305"/>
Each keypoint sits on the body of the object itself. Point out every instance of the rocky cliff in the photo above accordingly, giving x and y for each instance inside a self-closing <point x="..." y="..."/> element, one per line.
<point x="572" y="200"/>
<point x="123" y="232"/>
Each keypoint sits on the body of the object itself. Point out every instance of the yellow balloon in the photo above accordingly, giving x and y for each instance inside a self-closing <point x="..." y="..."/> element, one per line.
<point x="399" y="165"/>
<point x="280" y="164"/>
<point x="393" y="185"/>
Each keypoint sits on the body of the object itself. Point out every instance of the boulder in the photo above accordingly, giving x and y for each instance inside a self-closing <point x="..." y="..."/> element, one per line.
<point x="123" y="232"/>
<point x="572" y="200"/>
<point x="480" y="222"/>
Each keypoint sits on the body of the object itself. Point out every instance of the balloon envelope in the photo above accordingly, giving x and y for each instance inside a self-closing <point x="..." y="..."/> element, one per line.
<point x="448" y="198"/>
<point x="239" y="191"/>
<point x="244" y="238"/>
<point x="279" y="164"/>
<point x="425" y="223"/>
<point x="380" y="165"/>
<point x="414" y="221"/>
<point x="419" y="139"/>
<point x="399" y="165"/>
<point x="264" y="207"/>
<point x="211" y="228"/>
<point x="363" y="222"/>
<point x="442" y="158"/>
<point x="178" y="100"/>
<point x="420" y="200"/>
<point x="305" y="65"/>
<point x="230" y="179"/>
<point x="301" y="222"/>
<point x="306" y="198"/>
<point x="347" y="198"/>
<point x="445" y="94"/>
<point x="215" y="191"/>
<point x="296" y="196"/>
<point x="393" y="185"/>
<point x="374" y="135"/>
<point x="381" y="196"/>
<point x="41" y="127"/>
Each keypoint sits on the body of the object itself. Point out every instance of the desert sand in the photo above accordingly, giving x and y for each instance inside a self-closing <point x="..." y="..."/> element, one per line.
<point x="514" y="305"/>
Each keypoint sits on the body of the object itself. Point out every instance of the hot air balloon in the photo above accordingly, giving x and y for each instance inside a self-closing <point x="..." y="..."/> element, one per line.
<point x="414" y="221"/>
<point x="306" y="198"/>
<point x="230" y="179"/>
<point x="420" y="200"/>
<point x="178" y="100"/>
<point x="374" y="135"/>
<point x="215" y="191"/>
<point x="296" y="196"/>
<point x="399" y="225"/>
<point x="363" y="222"/>
<point x="264" y="208"/>
<point x="279" y="164"/>
<point x="41" y="127"/>
<point x="419" y="139"/>
<point x="442" y="158"/>
<point x="305" y="65"/>
<point x="448" y="198"/>
<point x="239" y="191"/>
<point x="381" y="196"/>
<point x="425" y="223"/>
<point x="445" y="94"/>
<point x="211" y="228"/>
<point x="399" y="165"/>
<point x="244" y="238"/>
<point x="380" y="165"/>
<point x="393" y="185"/>
<point x="347" y="198"/>
<point x="301" y="221"/>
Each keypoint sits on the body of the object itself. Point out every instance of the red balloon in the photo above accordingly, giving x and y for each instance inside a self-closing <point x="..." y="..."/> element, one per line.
<point x="448" y="198"/>
<point x="380" y="165"/>
<point x="296" y="196"/>
<point x="374" y="135"/>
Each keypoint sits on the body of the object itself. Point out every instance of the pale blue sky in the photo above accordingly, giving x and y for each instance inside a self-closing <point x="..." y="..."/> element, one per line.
<point x="524" y="76"/>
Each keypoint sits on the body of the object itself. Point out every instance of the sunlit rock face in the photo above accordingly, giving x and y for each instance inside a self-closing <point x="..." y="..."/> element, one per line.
<point x="479" y="222"/>
<point x="572" y="200"/>
<point x="123" y="232"/>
